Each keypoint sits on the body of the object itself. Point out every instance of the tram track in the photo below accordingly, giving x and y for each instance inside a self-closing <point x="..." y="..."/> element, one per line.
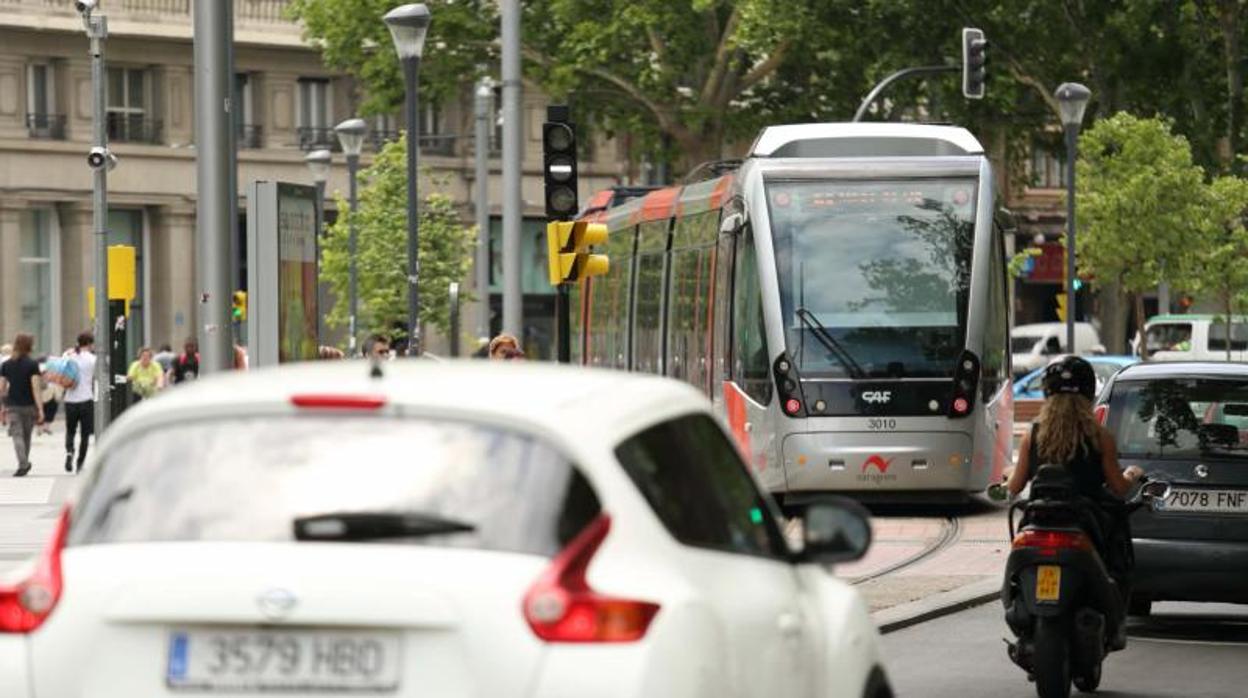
<point x="951" y="532"/>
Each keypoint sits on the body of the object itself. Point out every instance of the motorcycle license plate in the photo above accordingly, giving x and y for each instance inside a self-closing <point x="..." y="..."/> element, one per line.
<point x="1048" y="583"/>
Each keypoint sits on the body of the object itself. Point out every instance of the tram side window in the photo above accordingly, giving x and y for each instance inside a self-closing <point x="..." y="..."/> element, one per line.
<point x="648" y="324"/>
<point x="608" y="312"/>
<point x="722" y="318"/>
<point x="688" y="333"/>
<point x="996" y="329"/>
<point x="749" y="345"/>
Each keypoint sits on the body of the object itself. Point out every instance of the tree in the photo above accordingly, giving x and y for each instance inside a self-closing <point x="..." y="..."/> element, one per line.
<point x="1224" y="259"/>
<point x="445" y="250"/>
<point x="1141" y="207"/>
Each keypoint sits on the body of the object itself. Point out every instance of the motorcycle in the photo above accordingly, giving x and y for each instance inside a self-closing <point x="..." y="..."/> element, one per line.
<point x="1065" y="607"/>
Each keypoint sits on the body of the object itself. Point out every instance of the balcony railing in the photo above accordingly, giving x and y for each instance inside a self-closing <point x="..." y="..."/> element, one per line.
<point x="264" y="11"/>
<point x="50" y="126"/>
<point x="250" y="136"/>
<point x="317" y="137"/>
<point x="134" y="128"/>
<point x="442" y="144"/>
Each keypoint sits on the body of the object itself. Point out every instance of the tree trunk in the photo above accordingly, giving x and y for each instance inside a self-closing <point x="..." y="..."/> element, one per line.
<point x="1228" y="21"/>
<point x="1229" y="307"/>
<point x="697" y="149"/>
<point x="1113" y="311"/>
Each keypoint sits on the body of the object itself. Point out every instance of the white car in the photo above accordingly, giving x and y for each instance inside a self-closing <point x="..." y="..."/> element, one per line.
<point x="450" y="529"/>
<point x="1035" y="345"/>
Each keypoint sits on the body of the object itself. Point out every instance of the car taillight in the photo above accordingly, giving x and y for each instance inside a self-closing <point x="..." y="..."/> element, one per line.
<point x="1049" y="542"/>
<point x="25" y="605"/>
<point x="1101" y="412"/>
<point x="561" y="607"/>
<point x="320" y="401"/>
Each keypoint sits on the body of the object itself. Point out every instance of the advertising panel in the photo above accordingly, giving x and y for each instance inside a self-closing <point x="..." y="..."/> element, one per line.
<point x="296" y="284"/>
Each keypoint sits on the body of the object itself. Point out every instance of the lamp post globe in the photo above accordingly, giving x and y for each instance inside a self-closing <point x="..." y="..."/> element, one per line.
<point x="408" y="26"/>
<point x="318" y="162"/>
<point x="1072" y="100"/>
<point x="351" y="134"/>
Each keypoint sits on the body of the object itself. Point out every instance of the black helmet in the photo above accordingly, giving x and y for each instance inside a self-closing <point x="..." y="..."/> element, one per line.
<point x="1070" y="375"/>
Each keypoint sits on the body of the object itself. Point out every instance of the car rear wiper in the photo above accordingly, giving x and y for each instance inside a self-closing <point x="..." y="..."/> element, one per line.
<point x="361" y="526"/>
<point x="829" y="342"/>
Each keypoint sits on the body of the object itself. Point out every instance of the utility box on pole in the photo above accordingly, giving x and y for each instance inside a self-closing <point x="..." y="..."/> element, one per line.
<point x="282" y="276"/>
<point x="121" y="287"/>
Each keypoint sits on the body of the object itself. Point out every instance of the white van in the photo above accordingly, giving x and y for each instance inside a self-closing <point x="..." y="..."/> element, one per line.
<point x="1035" y="345"/>
<point x="1195" y="338"/>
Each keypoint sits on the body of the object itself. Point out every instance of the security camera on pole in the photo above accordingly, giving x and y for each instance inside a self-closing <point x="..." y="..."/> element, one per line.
<point x="100" y="160"/>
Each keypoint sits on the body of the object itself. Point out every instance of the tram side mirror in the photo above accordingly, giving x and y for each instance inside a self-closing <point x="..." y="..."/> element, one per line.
<point x="998" y="492"/>
<point x="732" y="223"/>
<point x="835" y="529"/>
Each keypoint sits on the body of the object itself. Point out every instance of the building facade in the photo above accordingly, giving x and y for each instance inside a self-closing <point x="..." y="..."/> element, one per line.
<point x="287" y="103"/>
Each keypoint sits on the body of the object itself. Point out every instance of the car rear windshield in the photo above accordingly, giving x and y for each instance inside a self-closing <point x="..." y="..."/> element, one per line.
<point x="1023" y="345"/>
<point x="252" y="479"/>
<point x="1180" y="417"/>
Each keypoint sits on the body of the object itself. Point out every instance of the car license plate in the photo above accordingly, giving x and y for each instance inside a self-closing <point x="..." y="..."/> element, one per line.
<point x="246" y="660"/>
<point x="1206" y="501"/>
<point x="1048" y="583"/>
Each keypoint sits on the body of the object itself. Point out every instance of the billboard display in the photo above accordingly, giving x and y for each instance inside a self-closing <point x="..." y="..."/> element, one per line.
<point x="297" y="278"/>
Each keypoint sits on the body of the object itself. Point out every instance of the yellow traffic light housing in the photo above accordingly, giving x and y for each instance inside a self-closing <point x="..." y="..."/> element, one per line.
<point x="239" y="313"/>
<point x="1061" y="306"/>
<point x="568" y="251"/>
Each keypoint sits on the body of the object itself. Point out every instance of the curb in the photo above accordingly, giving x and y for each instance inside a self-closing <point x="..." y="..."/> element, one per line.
<point x="945" y="603"/>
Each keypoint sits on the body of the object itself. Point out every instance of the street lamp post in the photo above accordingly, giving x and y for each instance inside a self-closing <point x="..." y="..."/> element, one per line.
<point x="351" y="135"/>
<point x="408" y="25"/>
<point x="319" y="162"/>
<point x="1072" y="99"/>
<point x="96" y="26"/>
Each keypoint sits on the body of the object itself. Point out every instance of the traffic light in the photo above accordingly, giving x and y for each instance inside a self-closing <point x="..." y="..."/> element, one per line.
<point x="559" y="164"/>
<point x="974" y="63"/>
<point x="1061" y="306"/>
<point x="567" y="248"/>
<point x="239" y="313"/>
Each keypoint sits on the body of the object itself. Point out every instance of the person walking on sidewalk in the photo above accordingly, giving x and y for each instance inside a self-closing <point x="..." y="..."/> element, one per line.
<point x="20" y="386"/>
<point x="145" y="376"/>
<point x="80" y="401"/>
<point x="186" y="366"/>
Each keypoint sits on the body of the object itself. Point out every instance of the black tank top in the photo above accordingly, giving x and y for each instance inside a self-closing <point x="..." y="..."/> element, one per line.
<point x="1085" y="467"/>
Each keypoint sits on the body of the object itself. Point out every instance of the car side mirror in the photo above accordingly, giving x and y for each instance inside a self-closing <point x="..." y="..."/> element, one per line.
<point x="835" y="529"/>
<point x="1155" y="490"/>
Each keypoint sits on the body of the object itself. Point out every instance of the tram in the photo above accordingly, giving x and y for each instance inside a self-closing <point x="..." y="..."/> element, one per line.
<point x="840" y="296"/>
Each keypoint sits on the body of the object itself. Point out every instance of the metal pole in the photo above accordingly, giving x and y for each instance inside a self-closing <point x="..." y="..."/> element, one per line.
<point x="1071" y="304"/>
<point x="563" y="327"/>
<point x="213" y="126"/>
<point x="353" y="167"/>
<point x="320" y="234"/>
<point x="411" y="69"/>
<point x="905" y="72"/>
<point x="483" y="108"/>
<point x="97" y="30"/>
<point x="513" y="157"/>
<point x="453" y="298"/>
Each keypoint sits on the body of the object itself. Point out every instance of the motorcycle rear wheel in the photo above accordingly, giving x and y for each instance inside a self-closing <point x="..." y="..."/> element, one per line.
<point x="1089" y="681"/>
<point x="1051" y="660"/>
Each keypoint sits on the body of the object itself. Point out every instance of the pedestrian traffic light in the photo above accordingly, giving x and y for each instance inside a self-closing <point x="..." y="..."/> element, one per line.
<point x="239" y="313"/>
<point x="568" y="250"/>
<point x="1061" y="307"/>
<point x="974" y="63"/>
<point x="559" y="164"/>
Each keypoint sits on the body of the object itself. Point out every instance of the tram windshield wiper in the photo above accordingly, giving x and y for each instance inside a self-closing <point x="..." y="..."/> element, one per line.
<point x="830" y="343"/>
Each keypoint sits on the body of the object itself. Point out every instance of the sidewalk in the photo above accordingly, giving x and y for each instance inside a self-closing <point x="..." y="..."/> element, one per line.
<point x="29" y="505"/>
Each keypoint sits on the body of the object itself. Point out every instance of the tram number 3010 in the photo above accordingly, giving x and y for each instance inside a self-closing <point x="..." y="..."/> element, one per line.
<point x="881" y="424"/>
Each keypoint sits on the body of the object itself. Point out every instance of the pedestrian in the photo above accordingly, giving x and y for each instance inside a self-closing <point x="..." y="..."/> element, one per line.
<point x="80" y="401"/>
<point x="330" y="353"/>
<point x="165" y="357"/>
<point x="20" y="387"/>
<point x="5" y="351"/>
<point x="377" y="347"/>
<point x="145" y="376"/>
<point x="240" y="358"/>
<point x="510" y="354"/>
<point x="186" y="366"/>
<point x="53" y="392"/>
<point x="501" y="342"/>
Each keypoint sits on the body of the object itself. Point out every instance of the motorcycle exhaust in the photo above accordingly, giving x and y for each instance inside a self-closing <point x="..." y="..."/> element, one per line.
<point x="1089" y="636"/>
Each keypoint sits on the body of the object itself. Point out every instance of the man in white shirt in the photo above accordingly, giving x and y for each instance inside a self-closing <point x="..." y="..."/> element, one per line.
<point x="80" y="401"/>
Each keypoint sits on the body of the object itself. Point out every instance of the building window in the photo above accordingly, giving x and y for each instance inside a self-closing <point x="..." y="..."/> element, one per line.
<point x="433" y="139"/>
<point x="42" y="119"/>
<point x="382" y="129"/>
<point x="247" y="132"/>
<point x="129" y="116"/>
<point x="40" y="270"/>
<point x="315" y="129"/>
<point x="1046" y="170"/>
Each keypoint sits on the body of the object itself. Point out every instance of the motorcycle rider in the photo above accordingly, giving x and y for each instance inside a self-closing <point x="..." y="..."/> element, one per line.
<point x="1067" y="433"/>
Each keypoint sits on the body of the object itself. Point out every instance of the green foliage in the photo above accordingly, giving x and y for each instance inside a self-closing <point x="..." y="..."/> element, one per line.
<point x="445" y="249"/>
<point x="1141" y="204"/>
<point x="1224" y="257"/>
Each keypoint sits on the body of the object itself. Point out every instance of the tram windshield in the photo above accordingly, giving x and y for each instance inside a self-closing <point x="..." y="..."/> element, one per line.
<point x="874" y="275"/>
